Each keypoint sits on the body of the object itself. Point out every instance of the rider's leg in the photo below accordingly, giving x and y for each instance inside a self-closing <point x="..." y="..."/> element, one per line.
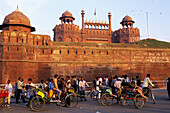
<point x="59" y="93"/>
<point x="141" y="93"/>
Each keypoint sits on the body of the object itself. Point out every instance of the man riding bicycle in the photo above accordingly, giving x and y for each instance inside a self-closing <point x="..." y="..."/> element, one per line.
<point x="146" y="83"/>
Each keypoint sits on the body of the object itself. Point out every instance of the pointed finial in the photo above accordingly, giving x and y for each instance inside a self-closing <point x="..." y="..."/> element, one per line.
<point x="18" y="9"/>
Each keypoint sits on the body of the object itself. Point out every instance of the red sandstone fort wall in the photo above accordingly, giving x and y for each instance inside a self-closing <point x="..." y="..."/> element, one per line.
<point x="84" y="60"/>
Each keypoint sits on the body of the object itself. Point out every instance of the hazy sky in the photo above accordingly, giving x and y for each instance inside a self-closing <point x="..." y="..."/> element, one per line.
<point x="44" y="14"/>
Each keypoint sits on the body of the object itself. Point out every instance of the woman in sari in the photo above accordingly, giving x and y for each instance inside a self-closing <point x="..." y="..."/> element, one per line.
<point x="50" y="86"/>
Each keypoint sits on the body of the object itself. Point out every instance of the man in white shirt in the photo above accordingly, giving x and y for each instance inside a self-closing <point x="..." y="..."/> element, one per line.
<point x="106" y="81"/>
<point x="101" y="80"/>
<point x="8" y="86"/>
<point x="29" y="92"/>
<point x="82" y="86"/>
<point x="146" y="83"/>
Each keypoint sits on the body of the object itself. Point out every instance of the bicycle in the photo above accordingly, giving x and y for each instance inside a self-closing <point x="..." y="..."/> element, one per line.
<point x="39" y="100"/>
<point x="149" y="93"/>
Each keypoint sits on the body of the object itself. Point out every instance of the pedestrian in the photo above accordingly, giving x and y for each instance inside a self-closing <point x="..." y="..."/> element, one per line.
<point x="110" y="81"/>
<point x="50" y="88"/>
<point x="133" y="81"/>
<point x="127" y="79"/>
<point x="101" y="80"/>
<point x="15" y="90"/>
<point x="19" y="90"/>
<point x="42" y="85"/>
<point x="8" y="86"/>
<point x="30" y="93"/>
<point x="67" y="88"/>
<point x="94" y="82"/>
<point x="168" y="87"/>
<point x="74" y="83"/>
<point x="82" y="86"/>
<point x="78" y="80"/>
<point x="106" y="81"/>
<point x="68" y="83"/>
<point x="56" y="86"/>
<point x="118" y="88"/>
<point x="138" y="81"/>
<point x="113" y="82"/>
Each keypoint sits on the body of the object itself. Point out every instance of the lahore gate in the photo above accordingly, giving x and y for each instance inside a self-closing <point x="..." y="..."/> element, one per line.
<point x="89" y="51"/>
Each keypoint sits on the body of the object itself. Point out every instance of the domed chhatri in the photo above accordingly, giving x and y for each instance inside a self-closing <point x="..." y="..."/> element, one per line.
<point x="67" y="14"/>
<point x="67" y="17"/>
<point x="127" y="18"/>
<point x="127" y="21"/>
<point x="17" y="18"/>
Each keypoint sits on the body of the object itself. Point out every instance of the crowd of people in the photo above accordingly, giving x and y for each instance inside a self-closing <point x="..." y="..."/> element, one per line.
<point x="60" y="85"/>
<point x="57" y="85"/>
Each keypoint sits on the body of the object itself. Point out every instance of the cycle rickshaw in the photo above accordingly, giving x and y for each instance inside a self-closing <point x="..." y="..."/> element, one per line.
<point x="39" y="99"/>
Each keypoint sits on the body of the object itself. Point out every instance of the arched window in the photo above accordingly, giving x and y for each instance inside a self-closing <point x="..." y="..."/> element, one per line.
<point x="60" y="52"/>
<point x="76" y="52"/>
<point x="92" y="52"/>
<point x="68" y="51"/>
<point x="22" y="40"/>
<point x="107" y="53"/>
<point x="51" y="51"/>
<point x="27" y="39"/>
<point x="8" y="38"/>
<point x="17" y="38"/>
<point x="68" y="21"/>
<point x="84" y="52"/>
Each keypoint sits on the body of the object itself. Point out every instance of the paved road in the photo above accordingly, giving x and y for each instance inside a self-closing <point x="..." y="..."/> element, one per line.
<point x="162" y="106"/>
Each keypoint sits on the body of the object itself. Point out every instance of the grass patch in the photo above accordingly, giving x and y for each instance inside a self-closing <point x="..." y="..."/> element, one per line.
<point x="149" y="43"/>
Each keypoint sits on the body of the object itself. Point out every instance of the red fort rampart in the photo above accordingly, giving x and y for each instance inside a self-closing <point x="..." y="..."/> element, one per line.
<point x="71" y="53"/>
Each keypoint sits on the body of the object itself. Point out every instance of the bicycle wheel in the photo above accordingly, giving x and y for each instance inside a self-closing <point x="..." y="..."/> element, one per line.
<point x="106" y="99"/>
<point x="124" y="100"/>
<point x="139" y="101"/>
<point x="37" y="103"/>
<point x="71" y="100"/>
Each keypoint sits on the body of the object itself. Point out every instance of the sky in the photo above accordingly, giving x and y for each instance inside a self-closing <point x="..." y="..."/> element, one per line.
<point x="44" y="14"/>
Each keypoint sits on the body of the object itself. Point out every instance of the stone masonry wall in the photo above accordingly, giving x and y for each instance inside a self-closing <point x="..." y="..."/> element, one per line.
<point x="84" y="60"/>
